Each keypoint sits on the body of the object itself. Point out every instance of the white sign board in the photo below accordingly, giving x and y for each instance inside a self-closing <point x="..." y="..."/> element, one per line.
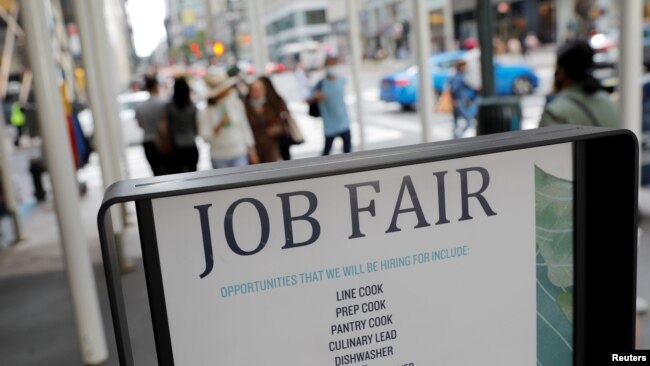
<point x="410" y="265"/>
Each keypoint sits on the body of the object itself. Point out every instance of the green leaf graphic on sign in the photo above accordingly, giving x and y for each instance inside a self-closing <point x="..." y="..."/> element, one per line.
<point x="554" y="220"/>
<point x="565" y="300"/>
<point x="554" y="233"/>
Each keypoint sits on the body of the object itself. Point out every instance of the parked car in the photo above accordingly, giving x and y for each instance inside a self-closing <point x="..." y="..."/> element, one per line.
<point x="510" y="79"/>
<point x="131" y="132"/>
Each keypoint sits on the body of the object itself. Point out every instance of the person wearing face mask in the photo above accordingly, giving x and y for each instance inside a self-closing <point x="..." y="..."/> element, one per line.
<point x="265" y="122"/>
<point x="580" y="98"/>
<point x="224" y="126"/>
<point x="330" y="94"/>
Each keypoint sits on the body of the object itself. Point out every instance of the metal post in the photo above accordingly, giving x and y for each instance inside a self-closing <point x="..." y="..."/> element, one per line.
<point x="233" y="16"/>
<point x="95" y="73"/>
<point x="448" y="25"/>
<point x="108" y="63"/>
<point x="485" y="35"/>
<point x="355" y="63"/>
<point x="53" y="125"/>
<point x="209" y="21"/>
<point x="7" y="183"/>
<point x="423" y="48"/>
<point x="564" y="13"/>
<point x="630" y="65"/>
<point x="8" y="50"/>
<point x="258" y="35"/>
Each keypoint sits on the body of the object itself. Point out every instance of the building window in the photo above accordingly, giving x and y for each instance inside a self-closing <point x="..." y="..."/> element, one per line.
<point x="282" y="24"/>
<point x="316" y="17"/>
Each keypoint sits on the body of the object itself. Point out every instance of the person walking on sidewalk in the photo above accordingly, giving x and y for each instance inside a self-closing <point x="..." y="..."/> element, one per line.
<point x="463" y="97"/>
<point x="182" y="119"/>
<point x="148" y="114"/>
<point x="580" y="98"/>
<point x="265" y="122"/>
<point x="224" y="126"/>
<point x="329" y="92"/>
<point x="278" y="107"/>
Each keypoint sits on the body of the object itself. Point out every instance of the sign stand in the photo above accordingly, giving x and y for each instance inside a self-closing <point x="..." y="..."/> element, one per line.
<point x="326" y="245"/>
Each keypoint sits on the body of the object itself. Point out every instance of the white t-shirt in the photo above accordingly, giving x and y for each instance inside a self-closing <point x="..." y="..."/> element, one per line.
<point x="235" y="137"/>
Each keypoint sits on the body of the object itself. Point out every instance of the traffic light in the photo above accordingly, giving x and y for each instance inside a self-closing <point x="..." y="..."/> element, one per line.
<point x="218" y="48"/>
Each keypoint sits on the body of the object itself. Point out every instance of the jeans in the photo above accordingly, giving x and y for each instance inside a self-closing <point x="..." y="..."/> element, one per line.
<point x="467" y="113"/>
<point x="347" y="142"/>
<point x="228" y="163"/>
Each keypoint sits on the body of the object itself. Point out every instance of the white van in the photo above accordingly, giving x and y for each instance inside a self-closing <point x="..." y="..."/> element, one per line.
<point x="310" y="53"/>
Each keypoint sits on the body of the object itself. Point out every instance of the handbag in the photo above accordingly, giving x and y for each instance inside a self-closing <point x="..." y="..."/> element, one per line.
<point x="295" y="135"/>
<point x="314" y="110"/>
<point x="163" y="141"/>
<point x="445" y="102"/>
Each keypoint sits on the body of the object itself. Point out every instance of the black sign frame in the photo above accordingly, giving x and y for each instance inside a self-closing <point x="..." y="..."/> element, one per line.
<point x="606" y="173"/>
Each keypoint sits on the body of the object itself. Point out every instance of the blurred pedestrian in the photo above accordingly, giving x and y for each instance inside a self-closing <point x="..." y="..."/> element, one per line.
<point x="580" y="98"/>
<point x="18" y="120"/>
<point x="531" y="41"/>
<point x="240" y="86"/>
<point x="149" y="114"/>
<point x="278" y="107"/>
<point x="302" y="80"/>
<point x="464" y="99"/>
<point x="224" y="126"/>
<point x="329" y="92"/>
<point x="514" y="46"/>
<point x="265" y="122"/>
<point x="182" y="118"/>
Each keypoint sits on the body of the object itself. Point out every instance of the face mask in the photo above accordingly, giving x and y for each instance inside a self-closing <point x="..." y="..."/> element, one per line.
<point x="329" y="71"/>
<point x="259" y="102"/>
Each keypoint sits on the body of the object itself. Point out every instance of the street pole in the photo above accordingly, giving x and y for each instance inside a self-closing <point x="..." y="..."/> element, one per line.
<point x="8" y="49"/>
<point x="108" y="63"/>
<point x="485" y="35"/>
<point x="8" y="189"/>
<point x="57" y="149"/>
<point x="630" y="65"/>
<point x="355" y="63"/>
<point x="448" y="25"/>
<point x="209" y="21"/>
<point x="564" y="13"/>
<point x="103" y="120"/>
<point x="423" y="50"/>
<point x="258" y="35"/>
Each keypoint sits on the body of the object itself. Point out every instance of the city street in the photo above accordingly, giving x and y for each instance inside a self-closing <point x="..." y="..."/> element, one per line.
<point x="74" y="71"/>
<point x="33" y="270"/>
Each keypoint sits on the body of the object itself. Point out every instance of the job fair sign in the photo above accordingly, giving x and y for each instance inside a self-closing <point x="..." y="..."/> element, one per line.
<point x="407" y="265"/>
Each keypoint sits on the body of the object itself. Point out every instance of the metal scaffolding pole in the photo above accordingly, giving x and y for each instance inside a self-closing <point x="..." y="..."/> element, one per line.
<point x="100" y="97"/>
<point x="109" y="88"/>
<point x="423" y="48"/>
<point x="630" y="65"/>
<point x="8" y="50"/>
<point x="564" y="14"/>
<point x="258" y="33"/>
<point x="448" y="30"/>
<point x="8" y="189"/>
<point x="209" y="21"/>
<point x="53" y="125"/>
<point x="355" y="64"/>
